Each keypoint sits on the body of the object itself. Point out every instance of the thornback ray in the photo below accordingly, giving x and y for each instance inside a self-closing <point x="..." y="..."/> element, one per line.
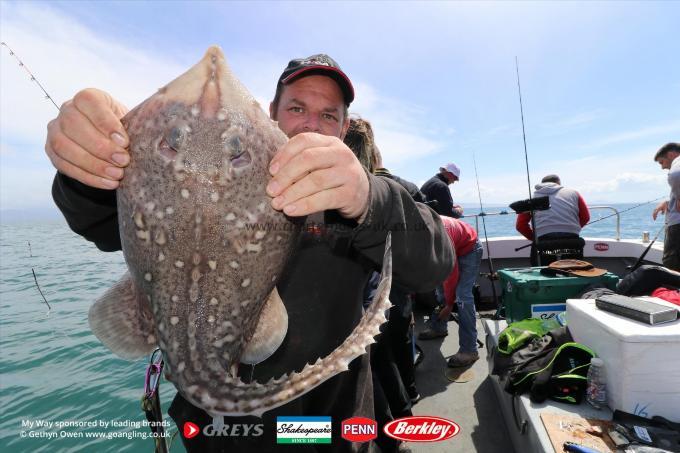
<point x="205" y="249"/>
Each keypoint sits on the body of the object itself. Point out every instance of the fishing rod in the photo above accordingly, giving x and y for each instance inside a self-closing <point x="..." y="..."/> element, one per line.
<point x="30" y="74"/>
<point x="649" y="247"/>
<point x="47" y="96"/>
<point x="534" y="239"/>
<point x="625" y="210"/>
<point x="492" y="273"/>
<point x="604" y="218"/>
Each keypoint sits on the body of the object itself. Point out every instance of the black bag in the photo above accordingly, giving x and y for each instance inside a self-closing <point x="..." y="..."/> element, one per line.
<point x="564" y="377"/>
<point x="550" y="367"/>
<point x="645" y="279"/>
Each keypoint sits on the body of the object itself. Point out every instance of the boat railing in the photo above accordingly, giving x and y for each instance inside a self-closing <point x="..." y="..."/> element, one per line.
<point x="504" y="212"/>
<point x="485" y="214"/>
<point x="618" y="218"/>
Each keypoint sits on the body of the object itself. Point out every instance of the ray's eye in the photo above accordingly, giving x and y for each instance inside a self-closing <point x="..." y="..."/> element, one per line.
<point x="176" y="138"/>
<point x="172" y="142"/>
<point x="237" y="152"/>
<point x="234" y="147"/>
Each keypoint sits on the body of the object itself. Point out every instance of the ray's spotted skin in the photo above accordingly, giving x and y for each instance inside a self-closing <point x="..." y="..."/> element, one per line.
<point x="204" y="248"/>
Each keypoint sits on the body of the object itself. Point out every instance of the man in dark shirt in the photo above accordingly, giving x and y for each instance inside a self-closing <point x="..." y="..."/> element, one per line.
<point x="437" y="189"/>
<point x="323" y="284"/>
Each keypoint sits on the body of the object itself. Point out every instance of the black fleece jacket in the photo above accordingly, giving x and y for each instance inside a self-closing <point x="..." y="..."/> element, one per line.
<point x="437" y="189"/>
<point x="322" y="289"/>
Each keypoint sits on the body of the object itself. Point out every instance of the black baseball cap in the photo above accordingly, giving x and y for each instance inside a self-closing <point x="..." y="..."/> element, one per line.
<point x="318" y="64"/>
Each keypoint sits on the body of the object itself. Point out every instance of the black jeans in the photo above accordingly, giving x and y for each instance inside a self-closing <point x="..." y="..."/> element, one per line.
<point x="547" y="259"/>
<point x="671" y="248"/>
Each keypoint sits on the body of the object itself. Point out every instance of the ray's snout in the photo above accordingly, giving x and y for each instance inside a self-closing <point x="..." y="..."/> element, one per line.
<point x="211" y="96"/>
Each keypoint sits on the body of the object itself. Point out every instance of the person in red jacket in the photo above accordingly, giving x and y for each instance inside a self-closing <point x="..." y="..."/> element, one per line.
<point x="458" y="289"/>
<point x="568" y="213"/>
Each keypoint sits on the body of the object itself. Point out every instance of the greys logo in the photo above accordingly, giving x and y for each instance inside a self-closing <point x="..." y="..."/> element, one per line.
<point x="219" y="428"/>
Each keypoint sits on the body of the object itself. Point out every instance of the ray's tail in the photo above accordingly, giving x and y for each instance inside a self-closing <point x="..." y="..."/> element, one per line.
<point x="233" y="397"/>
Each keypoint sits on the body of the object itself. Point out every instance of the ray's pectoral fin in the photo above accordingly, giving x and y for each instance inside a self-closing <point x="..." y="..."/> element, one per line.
<point x="270" y="331"/>
<point x="122" y="320"/>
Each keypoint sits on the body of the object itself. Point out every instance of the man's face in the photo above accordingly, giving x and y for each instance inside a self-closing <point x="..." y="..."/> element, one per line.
<point x="451" y="177"/>
<point x="667" y="160"/>
<point x="311" y="104"/>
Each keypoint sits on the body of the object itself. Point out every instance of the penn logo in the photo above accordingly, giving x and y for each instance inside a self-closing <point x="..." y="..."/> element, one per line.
<point x="359" y="429"/>
<point x="601" y="246"/>
<point x="190" y="430"/>
<point x="421" y="428"/>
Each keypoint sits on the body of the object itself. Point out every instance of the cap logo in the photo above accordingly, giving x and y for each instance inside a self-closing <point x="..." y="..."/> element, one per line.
<point x="317" y="60"/>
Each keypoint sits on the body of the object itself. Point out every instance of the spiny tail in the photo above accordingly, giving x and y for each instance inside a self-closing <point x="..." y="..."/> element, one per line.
<point x="233" y="397"/>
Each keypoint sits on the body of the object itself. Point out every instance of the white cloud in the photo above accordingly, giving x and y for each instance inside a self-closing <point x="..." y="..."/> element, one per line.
<point x="622" y="181"/>
<point x="66" y="55"/>
<point x="563" y="123"/>
<point x="671" y="128"/>
<point x="401" y="130"/>
<point x="629" y="177"/>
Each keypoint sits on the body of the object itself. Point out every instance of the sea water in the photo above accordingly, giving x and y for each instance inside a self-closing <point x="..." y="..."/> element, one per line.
<point x="60" y="389"/>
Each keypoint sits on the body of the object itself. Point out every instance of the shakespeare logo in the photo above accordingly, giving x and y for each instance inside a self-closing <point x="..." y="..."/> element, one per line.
<point x="303" y="430"/>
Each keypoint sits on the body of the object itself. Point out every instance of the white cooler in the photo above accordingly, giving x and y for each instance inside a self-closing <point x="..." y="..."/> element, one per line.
<point x="642" y="362"/>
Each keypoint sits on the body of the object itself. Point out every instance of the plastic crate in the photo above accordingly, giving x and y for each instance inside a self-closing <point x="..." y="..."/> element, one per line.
<point x="529" y="294"/>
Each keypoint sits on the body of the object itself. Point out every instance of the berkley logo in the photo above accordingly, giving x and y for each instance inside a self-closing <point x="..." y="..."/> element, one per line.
<point x="359" y="429"/>
<point x="601" y="246"/>
<point x="190" y="430"/>
<point x="421" y="428"/>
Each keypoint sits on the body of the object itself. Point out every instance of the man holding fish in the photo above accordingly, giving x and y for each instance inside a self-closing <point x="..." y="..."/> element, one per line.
<point x="313" y="174"/>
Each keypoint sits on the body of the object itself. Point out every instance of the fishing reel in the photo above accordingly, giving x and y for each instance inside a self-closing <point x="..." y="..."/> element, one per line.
<point x="531" y="204"/>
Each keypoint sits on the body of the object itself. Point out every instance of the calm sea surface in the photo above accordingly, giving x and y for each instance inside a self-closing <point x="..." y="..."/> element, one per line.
<point x="54" y="370"/>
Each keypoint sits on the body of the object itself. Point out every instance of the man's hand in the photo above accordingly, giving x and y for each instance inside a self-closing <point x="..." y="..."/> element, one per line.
<point x="313" y="173"/>
<point x="661" y="208"/>
<point x="87" y="141"/>
<point x="458" y="209"/>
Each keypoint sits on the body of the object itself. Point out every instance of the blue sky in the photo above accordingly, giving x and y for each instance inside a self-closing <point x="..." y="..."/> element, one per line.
<point x="600" y="81"/>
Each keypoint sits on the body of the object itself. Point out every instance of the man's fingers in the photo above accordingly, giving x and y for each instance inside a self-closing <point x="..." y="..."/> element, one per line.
<point x="298" y="167"/>
<point x="310" y="155"/>
<point x="320" y="201"/>
<point x="314" y="182"/>
<point x="100" y="109"/>
<point x="294" y="146"/>
<point x="79" y="129"/>
<point x="78" y="174"/>
<point x="66" y="154"/>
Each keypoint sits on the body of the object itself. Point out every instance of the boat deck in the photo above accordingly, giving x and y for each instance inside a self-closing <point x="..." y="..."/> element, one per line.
<point x="472" y="404"/>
